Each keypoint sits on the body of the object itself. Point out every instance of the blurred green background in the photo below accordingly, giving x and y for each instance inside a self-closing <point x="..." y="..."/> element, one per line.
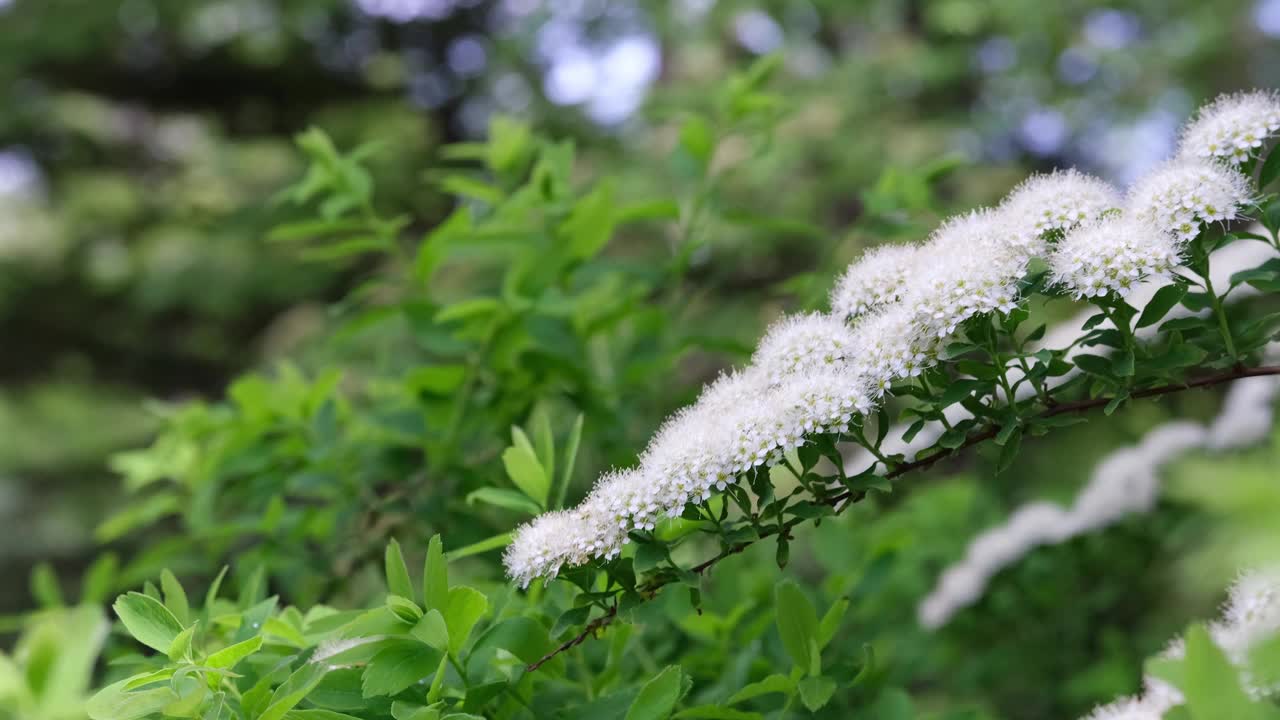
<point x="143" y="144"/>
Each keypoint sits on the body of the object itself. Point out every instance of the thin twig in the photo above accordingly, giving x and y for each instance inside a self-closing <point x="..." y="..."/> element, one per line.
<point x="852" y="497"/>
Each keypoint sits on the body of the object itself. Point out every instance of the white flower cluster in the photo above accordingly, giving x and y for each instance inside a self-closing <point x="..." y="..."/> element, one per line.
<point x="1233" y="128"/>
<point x="875" y="280"/>
<point x="814" y="373"/>
<point x="1111" y="256"/>
<point x="1182" y="196"/>
<point x="977" y="264"/>
<point x="1126" y="481"/>
<point x="804" y="344"/>
<point x="1059" y="202"/>
<point x="1250" y="616"/>
<point x="892" y="345"/>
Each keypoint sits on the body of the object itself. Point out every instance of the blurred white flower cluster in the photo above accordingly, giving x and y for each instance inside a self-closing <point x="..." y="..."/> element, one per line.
<point x="1126" y="481"/>
<point x="891" y="312"/>
<point x="1251" y="615"/>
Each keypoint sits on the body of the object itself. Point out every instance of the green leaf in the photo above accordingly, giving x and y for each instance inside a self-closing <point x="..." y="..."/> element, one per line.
<point x="404" y="608"/>
<point x="44" y="586"/>
<point x="175" y="598"/>
<point x="1196" y="301"/>
<point x="397" y="666"/>
<point x="408" y="711"/>
<point x="435" y="379"/>
<point x="958" y="390"/>
<point x="510" y="145"/>
<point x="317" y="715"/>
<point x="798" y="625"/>
<point x="492" y="543"/>
<point x="181" y="645"/>
<point x="540" y="423"/>
<point x="521" y="636"/>
<point x="291" y="692"/>
<point x="150" y="678"/>
<point x="190" y="694"/>
<point x="570" y="458"/>
<point x="1211" y="684"/>
<point x="523" y="468"/>
<point x="590" y="224"/>
<point x="432" y="630"/>
<point x="657" y="698"/>
<point x="212" y="594"/>
<point x="661" y="209"/>
<point x="894" y="704"/>
<point x="465" y="608"/>
<point x="99" y="580"/>
<point x="831" y="622"/>
<point x="398" y="582"/>
<point x="1161" y="303"/>
<point x="1114" y="403"/>
<point x="1122" y="363"/>
<point x="1094" y="365"/>
<point x="1264" y="662"/>
<point x="435" y="576"/>
<point x="953" y="438"/>
<point x="1177" y="356"/>
<point x="1009" y="451"/>
<point x="649" y="556"/>
<point x="715" y="712"/>
<point x="1270" y="169"/>
<point x="816" y="691"/>
<point x="697" y="140"/>
<point x="570" y="619"/>
<point x="309" y="229"/>
<point x="772" y="684"/>
<point x="469" y="187"/>
<point x="504" y="498"/>
<point x="148" y="620"/>
<point x="252" y="620"/>
<point x="232" y="654"/>
<point x="115" y="703"/>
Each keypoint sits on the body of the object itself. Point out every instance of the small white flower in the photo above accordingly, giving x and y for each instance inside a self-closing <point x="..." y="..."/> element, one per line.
<point x="874" y="280"/>
<point x="1111" y="256"/>
<point x="1182" y="196"/>
<point x="1059" y="202"/>
<point x="1233" y="128"/>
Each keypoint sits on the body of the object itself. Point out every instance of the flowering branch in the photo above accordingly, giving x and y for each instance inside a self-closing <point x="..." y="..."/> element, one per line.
<point x="937" y="321"/>
<point x="849" y="497"/>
